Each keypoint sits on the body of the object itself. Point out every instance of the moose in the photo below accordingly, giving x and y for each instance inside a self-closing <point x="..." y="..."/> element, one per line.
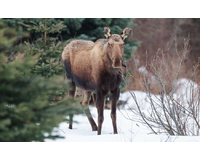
<point x="96" y="67"/>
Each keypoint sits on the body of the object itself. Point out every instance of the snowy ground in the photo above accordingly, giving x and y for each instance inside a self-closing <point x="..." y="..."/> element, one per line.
<point x="128" y="131"/>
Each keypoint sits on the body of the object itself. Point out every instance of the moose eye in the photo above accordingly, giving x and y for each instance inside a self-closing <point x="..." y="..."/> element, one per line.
<point x="109" y="44"/>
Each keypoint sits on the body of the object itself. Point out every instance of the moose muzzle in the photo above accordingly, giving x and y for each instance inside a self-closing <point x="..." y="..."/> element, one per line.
<point x="117" y="63"/>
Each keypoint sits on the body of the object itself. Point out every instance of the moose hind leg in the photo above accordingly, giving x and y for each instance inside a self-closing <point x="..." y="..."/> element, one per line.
<point x="85" y="105"/>
<point x="70" y="121"/>
<point x="72" y="90"/>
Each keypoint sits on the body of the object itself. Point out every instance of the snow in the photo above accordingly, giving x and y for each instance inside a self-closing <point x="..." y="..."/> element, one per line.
<point x="128" y="131"/>
<point x="186" y="90"/>
<point x="130" y="103"/>
<point x="82" y="130"/>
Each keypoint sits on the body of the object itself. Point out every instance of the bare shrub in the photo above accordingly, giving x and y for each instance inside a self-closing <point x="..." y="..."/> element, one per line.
<point x="175" y="109"/>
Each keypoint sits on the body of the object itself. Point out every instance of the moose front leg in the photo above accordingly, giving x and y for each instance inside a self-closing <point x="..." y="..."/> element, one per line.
<point x="114" y="96"/>
<point x="100" y="106"/>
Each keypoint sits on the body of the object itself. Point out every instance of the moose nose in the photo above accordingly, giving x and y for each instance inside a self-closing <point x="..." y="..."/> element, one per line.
<point x="117" y="63"/>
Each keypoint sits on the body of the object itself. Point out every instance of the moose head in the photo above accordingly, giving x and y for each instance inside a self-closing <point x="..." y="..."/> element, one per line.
<point x="115" y="46"/>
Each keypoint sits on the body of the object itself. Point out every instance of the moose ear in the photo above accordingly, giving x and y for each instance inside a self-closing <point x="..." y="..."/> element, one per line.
<point x="125" y="33"/>
<point x="107" y="32"/>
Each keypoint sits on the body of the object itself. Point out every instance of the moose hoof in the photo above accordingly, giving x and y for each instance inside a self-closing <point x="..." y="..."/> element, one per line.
<point x="98" y="133"/>
<point x="70" y="126"/>
<point x="94" y="128"/>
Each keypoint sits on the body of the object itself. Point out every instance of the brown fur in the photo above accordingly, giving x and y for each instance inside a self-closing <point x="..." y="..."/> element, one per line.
<point x="96" y="67"/>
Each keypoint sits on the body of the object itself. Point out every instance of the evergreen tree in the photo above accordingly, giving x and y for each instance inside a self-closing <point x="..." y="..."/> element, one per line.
<point x="29" y="109"/>
<point x="86" y="28"/>
<point x="47" y="46"/>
